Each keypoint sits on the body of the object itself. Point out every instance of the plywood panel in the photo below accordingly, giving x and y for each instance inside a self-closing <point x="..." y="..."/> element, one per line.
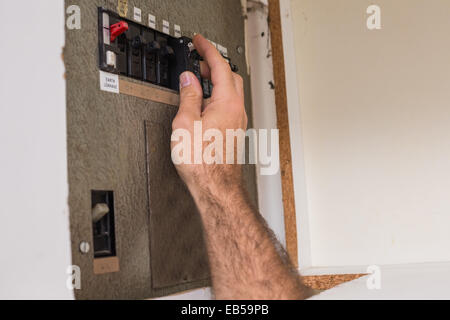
<point x="283" y="125"/>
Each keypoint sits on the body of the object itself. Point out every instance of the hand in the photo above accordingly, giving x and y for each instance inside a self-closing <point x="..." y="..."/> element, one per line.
<point x="224" y="110"/>
<point x="245" y="260"/>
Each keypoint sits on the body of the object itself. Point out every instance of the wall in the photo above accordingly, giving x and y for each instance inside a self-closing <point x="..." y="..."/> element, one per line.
<point x="374" y="117"/>
<point x="34" y="222"/>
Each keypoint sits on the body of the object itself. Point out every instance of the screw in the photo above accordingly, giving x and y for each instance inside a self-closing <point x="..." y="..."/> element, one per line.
<point x="240" y="50"/>
<point x="84" y="247"/>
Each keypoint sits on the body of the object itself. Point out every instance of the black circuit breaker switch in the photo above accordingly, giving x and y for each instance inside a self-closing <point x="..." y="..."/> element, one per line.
<point x="103" y="224"/>
<point x="164" y="56"/>
<point x="151" y="49"/>
<point x="135" y="47"/>
<point x="187" y="59"/>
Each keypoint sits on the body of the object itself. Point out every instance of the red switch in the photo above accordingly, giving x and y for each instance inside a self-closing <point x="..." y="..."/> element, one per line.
<point x="117" y="29"/>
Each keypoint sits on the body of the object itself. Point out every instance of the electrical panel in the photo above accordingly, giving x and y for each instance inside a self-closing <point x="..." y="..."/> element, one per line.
<point x="133" y="50"/>
<point x="135" y="229"/>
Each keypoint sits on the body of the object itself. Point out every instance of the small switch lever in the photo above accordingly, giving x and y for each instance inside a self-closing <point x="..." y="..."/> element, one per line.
<point x="117" y="29"/>
<point x="152" y="47"/>
<point x="168" y="52"/>
<point x="99" y="211"/>
<point x="137" y="42"/>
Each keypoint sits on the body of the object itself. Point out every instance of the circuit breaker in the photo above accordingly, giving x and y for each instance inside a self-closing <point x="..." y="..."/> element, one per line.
<point x="135" y="230"/>
<point x="142" y="53"/>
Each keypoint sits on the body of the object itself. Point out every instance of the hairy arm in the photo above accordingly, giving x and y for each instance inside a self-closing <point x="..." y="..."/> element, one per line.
<point x="246" y="260"/>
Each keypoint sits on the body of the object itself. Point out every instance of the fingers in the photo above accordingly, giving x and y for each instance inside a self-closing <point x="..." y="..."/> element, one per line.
<point x="237" y="79"/>
<point x="204" y="70"/>
<point x="219" y="69"/>
<point x="191" y="96"/>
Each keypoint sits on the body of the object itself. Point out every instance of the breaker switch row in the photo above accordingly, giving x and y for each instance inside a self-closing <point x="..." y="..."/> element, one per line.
<point x="136" y="51"/>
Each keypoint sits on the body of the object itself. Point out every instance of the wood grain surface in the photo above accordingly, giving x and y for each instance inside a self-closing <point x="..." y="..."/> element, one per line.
<point x="287" y="183"/>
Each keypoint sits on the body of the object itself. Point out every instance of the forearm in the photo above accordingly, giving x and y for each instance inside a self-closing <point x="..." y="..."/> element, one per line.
<point x="244" y="258"/>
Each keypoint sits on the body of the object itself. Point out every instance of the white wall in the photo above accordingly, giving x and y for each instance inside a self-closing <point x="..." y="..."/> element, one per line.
<point x="34" y="221"/>
<point x="375" y="121"/>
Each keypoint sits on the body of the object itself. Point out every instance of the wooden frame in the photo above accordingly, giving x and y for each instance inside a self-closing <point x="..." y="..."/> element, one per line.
<point x="287" y="183"/>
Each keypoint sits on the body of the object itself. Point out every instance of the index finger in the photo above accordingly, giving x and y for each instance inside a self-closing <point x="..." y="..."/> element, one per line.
<point x="221" y="75"/>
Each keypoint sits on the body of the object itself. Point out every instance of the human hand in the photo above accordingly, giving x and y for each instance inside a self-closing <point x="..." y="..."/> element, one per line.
<point x="223" y="111"/>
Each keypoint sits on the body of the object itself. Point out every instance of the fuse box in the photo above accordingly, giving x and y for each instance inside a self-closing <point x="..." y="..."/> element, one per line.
<point x="136" y="51"/>
<point x="135" y="229"/>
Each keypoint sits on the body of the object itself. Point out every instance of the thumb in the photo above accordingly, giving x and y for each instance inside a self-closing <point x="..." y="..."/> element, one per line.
<point x="191" y="95"/>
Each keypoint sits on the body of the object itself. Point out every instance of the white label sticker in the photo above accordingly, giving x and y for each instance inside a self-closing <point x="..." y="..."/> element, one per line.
<point x="152" y="21"/>
<point x="109" y="82"/>
<point x="105" y="20"/>
<point x="106" y="36"/>
<point x="166" y="27"/>
<point x="177" y="31"/>
<point x="106" y="33"/>
<point x="137" y="14"/>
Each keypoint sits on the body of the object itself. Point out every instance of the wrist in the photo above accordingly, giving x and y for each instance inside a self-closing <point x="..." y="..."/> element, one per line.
<point x="217" y="193"/>
<point x="220" y="197"/>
